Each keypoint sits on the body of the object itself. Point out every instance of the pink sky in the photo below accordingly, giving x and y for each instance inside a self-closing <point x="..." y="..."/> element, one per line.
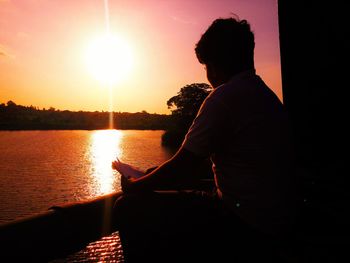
<point x="42" y="42"/>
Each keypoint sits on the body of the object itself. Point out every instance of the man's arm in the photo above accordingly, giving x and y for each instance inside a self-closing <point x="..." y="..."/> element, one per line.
<point x="174" y="173"/>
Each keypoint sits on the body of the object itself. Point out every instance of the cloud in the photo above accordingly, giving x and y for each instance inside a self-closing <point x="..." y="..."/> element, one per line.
<point x="4" y="51"/>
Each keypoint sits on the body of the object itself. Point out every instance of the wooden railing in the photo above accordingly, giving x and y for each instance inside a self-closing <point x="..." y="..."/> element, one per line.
<point x="61" y="230"/>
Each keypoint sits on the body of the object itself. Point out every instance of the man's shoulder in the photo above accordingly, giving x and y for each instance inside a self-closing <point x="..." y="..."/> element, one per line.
<point x="229" y="91"/>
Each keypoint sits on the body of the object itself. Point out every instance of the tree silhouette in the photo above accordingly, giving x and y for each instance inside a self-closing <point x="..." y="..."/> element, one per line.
<point x="189" y="99"/>
<point x="184" y="107"/>
<point x="10" y="103"/>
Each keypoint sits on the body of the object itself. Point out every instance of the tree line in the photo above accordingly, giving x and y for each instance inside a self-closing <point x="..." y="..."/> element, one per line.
<point x="18" y="117"/>
<point x="184" y="107"/>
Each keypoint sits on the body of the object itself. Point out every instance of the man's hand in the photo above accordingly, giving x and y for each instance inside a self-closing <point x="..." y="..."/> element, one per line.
<point x="128" y="174"/>
<point x="125" y="183"/>
<point x="126" y="170"/>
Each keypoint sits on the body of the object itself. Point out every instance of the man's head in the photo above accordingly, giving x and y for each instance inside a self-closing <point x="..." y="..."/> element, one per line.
<point x="226" y="48"/>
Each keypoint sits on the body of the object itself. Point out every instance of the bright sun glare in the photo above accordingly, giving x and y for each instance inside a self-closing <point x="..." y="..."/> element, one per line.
<point x="105" y="147"/>
<point x="109" y="58"/>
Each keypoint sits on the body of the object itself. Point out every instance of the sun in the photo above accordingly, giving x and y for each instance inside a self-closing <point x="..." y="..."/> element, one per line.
<point x="109" y="58"/>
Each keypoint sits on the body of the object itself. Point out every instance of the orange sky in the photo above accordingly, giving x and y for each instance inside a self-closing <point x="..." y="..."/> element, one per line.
<point x="42" y="44"/>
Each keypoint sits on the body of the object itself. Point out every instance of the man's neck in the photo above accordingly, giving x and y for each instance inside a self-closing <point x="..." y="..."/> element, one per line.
<point x="227" y="77"/>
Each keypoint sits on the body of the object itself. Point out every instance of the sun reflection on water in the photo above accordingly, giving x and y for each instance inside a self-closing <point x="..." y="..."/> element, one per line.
<point x="104" y="149"/>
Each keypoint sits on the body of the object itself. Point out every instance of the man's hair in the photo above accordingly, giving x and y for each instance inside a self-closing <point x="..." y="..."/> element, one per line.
<point x="227" y="44"/>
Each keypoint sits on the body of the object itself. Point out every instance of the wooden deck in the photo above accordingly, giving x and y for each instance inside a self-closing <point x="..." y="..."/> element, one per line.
<point x="107" y="249"/>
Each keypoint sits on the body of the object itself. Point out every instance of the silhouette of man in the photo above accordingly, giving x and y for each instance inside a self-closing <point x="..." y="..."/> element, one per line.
<point x="242" y="127"/>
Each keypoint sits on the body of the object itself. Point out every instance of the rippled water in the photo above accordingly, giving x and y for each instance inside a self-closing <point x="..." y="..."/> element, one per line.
<point x="39" y="169"/>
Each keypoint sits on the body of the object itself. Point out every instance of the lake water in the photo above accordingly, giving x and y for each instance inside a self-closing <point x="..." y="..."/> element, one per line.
<point x="39" y="169"/>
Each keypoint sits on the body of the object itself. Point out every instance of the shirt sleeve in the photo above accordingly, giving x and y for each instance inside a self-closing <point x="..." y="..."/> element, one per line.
<point x="204" y="134"/>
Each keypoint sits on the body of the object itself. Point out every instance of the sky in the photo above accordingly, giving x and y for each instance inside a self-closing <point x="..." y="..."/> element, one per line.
<point x="44" y="43"/>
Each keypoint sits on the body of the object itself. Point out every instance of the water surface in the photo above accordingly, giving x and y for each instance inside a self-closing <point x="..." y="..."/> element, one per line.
<point x="39" y="169"/>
